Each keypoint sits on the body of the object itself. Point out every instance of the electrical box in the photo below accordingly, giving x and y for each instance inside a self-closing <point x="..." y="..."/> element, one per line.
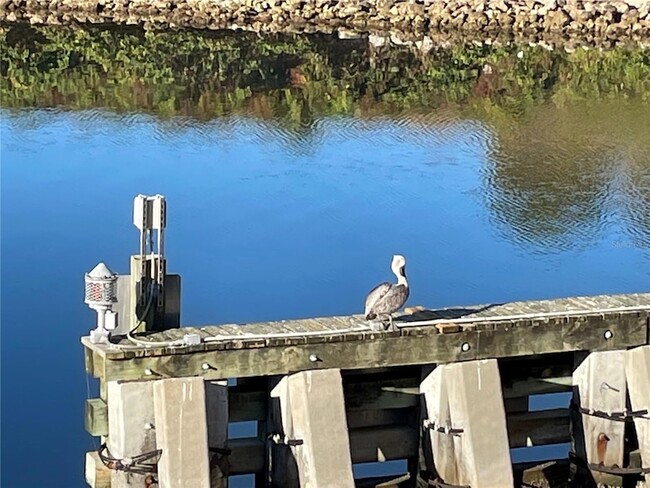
<point x="149" y="212"/>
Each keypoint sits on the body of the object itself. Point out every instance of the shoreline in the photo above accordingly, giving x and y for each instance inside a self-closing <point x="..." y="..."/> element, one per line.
<point x="589" y="22"/>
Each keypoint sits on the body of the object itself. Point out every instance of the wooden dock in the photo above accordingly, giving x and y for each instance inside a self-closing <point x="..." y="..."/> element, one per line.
<point x="449" y="391"/>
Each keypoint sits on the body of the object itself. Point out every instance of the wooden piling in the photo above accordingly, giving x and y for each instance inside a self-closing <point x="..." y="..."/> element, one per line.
<point x="637" y="371"/>
<point x="466" y="423"/>
<point x="181" y="433"/>
<point x="281" y="458"/>
<point x="314" y="430"/>
<point x="599" y="386"/>
<point x="130" y="427"/>
<point x="216" y="399"/>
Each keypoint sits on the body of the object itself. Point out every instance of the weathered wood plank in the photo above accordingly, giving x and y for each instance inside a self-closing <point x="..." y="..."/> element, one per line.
<point x="224" y="330"/>
<point x="530" y="314"/>
<point x="381" y="394"/>
<point x="548" y="373"/>
<point x="366" y="445"/>
<point x="551" y="336"/>
<point x="248" y="455"/>
<point x="96" y="417"/>
<point x="201" y="332"/>
<point x="103" y="390"/>
<point x="390" y="481"/>
<point x="267" y="329"/>
<point x="538" y="428"/>
<point x="88" y="361"/>
<point x="94" y="361"/>
<point x="97" y="475"/>
<point x="385" y="435"/>
<point x="599" y="384"/>
<point x="314" y="325"/>
<point x="383" y="443"/>
<point x="342" y="323"/>
<point x="635" y="459"/>
<point x="538" y="386"/>
<point x="373" y="394"/>
<point x="373" y="418"/>
<point x="544" y="474"/>
<point x="245" y="404"/>
<point x="637" y="371"/>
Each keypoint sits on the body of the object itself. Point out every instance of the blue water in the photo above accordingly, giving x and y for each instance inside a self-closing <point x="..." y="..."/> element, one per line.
<point x="266" y="222"/>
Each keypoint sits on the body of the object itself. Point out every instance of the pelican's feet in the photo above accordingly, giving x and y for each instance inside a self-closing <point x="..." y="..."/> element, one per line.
<point x="377" y="325"/>
<point x="390" y="326"/>
<point x="387" y="324"/>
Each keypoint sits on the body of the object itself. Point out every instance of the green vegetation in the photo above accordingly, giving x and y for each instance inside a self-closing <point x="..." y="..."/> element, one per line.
<point x="564" y="130"/>
<point x="296" y="78"/>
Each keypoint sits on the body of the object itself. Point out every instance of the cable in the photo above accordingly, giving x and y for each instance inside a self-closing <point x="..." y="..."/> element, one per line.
<point x="180" y="342"/>
<point x="140" y="342"/>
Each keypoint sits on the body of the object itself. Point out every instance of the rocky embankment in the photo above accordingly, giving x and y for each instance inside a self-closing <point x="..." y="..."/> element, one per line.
<point x="585" y="19"/>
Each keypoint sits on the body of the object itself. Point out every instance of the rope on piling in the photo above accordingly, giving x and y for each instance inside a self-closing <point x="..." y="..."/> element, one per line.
<point x="443" y="429"/>
<point x="624" y="416"/>
<point x="601" y="468"/>
<point x="284" y="440"/>
<point x="135" y="464"/>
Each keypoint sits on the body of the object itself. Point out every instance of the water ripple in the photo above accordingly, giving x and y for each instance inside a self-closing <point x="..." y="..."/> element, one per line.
<point x="567" y="184"/>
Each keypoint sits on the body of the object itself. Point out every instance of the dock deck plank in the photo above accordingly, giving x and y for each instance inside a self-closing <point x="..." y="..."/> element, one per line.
<point x="517" y="328"/>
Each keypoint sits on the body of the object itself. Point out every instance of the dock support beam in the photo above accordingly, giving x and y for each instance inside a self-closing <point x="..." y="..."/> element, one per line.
<point x="466" y="398"/>
<point x="181" y="433"/>
<point x="216" y="398"/>
<point x="599" y="385"/>
<point x="130" y="426"/>
<point x="637" y="371"/>
<point x="312" y="415"/>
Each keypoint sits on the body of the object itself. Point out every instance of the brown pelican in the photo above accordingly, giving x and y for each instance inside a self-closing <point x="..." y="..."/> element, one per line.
<point x="386" y="298"/>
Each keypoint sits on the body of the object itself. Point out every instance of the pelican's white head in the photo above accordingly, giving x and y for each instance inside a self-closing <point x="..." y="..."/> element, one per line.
<point x="398" y="267"/>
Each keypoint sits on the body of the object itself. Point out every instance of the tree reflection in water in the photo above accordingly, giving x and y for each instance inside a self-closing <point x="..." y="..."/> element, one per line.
<point x="559" y="175"/>
<point x="568" y="152"/>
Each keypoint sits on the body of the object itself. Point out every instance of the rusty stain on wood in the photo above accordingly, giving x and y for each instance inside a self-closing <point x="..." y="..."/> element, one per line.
<point x="448" y="328"/>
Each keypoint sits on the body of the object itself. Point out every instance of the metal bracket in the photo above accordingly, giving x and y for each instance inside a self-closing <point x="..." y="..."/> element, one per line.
<point x="284" y="440"/>
<point x="624" y="416"/>
<point x="133" y="464"/>
<point x="601" y="468"/>
<point x="224" y="451"/>
<point x="443" y="429"/>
